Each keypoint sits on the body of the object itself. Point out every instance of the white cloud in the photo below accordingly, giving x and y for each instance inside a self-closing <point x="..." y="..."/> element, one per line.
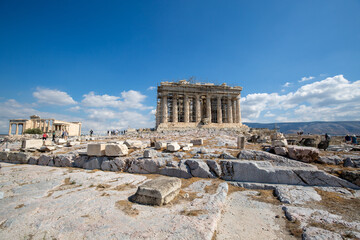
<point x="287" y="84"/>
<point x="129" y="99"/>
<point x="74" y="109"/>
<point x="334" y="98"/>
<point x="52" y="96"/>
<point x="151" y="88"/>
<point x="303" y="79"/>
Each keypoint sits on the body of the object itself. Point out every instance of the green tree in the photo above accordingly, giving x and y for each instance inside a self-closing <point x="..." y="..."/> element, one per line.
<point x="33" y="131"/>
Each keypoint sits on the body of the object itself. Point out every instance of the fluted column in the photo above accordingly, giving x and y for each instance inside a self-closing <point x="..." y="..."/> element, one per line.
<point x="157" y="113"/>
<point x="229" y="111"/>
<point x="175" y="108"/>
<point x="238" y="110"/>
<point x="186" y="108"/>
<point x="219" y="112"/>
<point x="17" y="129"/>
<point x="197" y="108"/>
<point x="233" y="110"/>
<point x="9" y="129"/>
<point x="164" y="108"/>
<point x="208" y="107"/>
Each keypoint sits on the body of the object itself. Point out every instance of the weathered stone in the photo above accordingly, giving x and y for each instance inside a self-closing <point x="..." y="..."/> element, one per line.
<point x="160" y="145"/>
<point x="115" y="150"/>
<point x="334" y="160"/>
<point x="44" y="159"/>
<point x="64" y="160"/>
<point x="282" y="151"/>
<point x="4" y="156"/>
<point x="93" y="163"/>
<point x="351" y="176"/>
<point x="31" y="143"/>
<point x="267" y="172"/>
<point x="279" y="143"/>
<point x="33" y="160"/>
<point x="96" y="149"/>
<point x="226" y="155"/>
<point x="203" y="150"/>
<point x="80" y="160"/>
<point x="149" y="153"/>
<point x="146" y="165"/>
<point x="296" y="194"/>
<point x="314" y="233"/>
<point x="214" y="167"/>
<point x="240" y="142"/>
<point x="304" y="154"/>
<point x="118" y="164"/>
<point x="173" y="147"/>
<point x="46" y="148"/>
<point x="198" y="168"/>
<point x="105" y="165"/>
<point x="22" y="157"/>
<point x="134" y="144"/>
<point x="198" y="141"/>
<point x="60" y="141"/>
<point x="181" y="171"/>
<point x="12" y="157"/>
<point x="158" y="191"/>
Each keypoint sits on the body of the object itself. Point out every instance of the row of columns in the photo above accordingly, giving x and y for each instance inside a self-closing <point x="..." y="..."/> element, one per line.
<point x="17" y="127"/>
<point x="233" y="108"/>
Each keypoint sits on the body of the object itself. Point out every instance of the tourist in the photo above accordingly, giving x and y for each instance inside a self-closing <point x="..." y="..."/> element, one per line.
<point x="354" y="140"/>
<point x="91" y="132"/>
<point x="44" y="136"/>
<point x="66" y="134"/>
<point x="327" y="137"/>
<point x="347" y="139"/>
<point x="53" y="136"/>
<point x="63" y="134"/>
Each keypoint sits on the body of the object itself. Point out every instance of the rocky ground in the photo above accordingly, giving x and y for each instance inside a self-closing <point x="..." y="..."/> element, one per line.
<point x="226" y="193"/>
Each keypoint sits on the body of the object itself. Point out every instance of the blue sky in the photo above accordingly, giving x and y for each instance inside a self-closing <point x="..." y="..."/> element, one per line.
<point x="98" y="61"/>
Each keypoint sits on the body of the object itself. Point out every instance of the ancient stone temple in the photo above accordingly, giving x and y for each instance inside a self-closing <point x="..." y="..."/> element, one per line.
<point x="186" y="105"/>
<point x="18" y="126"/>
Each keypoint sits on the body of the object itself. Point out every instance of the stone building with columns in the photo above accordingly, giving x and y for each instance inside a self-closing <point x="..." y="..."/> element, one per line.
<point x="18" y="126"/>
<point x="189" y="105"/>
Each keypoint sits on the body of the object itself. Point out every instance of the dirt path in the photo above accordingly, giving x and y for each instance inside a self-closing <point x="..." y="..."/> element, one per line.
<point x="245" y="218"/>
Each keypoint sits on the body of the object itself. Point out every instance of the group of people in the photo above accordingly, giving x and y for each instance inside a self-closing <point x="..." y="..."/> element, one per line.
<point x="115" y="132"/>
<point x="351" y="139"/>
<point x="64" y="135"/>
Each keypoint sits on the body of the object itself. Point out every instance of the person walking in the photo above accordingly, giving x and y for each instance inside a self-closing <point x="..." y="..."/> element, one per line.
<point x="44" y="137"/>
<point x="53" y="136"/>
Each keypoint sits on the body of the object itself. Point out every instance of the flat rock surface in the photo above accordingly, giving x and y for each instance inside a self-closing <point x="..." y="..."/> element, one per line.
<point x="41" y="202"/>
<point x="245" y="218"/>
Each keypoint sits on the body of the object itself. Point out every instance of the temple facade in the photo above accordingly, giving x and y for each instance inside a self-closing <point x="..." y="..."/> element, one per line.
<point x="18" y="126"/>
<point x="186" y="105"/>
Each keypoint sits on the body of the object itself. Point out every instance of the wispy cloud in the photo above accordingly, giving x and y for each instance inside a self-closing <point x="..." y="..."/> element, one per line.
<point x="304" y="79"/>
<point x="287" y="84"/>
<point x="53" y="97"/>
<point x="151" y="88"/>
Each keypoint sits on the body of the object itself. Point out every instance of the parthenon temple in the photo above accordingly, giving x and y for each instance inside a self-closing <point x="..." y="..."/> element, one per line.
<point x="18" y="126"/>
<point x="189" y="105"/>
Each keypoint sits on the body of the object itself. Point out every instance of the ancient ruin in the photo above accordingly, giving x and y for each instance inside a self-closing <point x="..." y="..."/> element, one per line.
<point x="45" y="125"/>
<point x="186" y="105"/>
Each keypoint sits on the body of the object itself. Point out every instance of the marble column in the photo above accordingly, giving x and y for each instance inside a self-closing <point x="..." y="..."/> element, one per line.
<point x="238" y="110"/>
<point x="17" y="129"/>
<point x="233" y="110"/>
<point x="186" y="108"/>
<point x="175" y="108"/>
<point x="219" y="112"/>
<point x="164" y="108"/>
<point x="208" y="107"/>
<point x="229" y="110"/>
<point x="9" y="129"/>
<point x="197" y="108"/>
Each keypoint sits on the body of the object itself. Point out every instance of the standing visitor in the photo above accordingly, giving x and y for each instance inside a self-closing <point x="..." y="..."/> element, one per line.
<point x="53" y="136"/>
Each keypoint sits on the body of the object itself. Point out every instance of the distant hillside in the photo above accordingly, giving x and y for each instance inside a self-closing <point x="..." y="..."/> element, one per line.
<point x="334" y="128"/>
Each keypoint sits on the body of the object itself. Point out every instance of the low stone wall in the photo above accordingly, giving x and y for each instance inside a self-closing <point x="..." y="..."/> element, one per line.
<point x="277" y="170"/>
